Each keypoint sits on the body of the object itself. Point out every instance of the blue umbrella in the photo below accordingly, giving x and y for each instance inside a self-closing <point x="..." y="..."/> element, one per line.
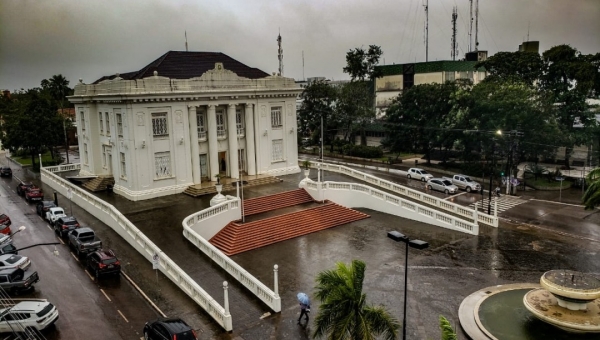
<point x="303" y="299"/>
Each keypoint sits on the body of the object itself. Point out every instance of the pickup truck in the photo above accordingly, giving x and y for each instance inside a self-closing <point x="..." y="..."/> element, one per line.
<point x="464" y="182"/>
<point x="15" y="280"/>
<point x="84" y="241"/>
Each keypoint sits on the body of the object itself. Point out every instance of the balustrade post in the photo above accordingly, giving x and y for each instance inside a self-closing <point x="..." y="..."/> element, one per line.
<point x="226" y="298"/>
<point x="276" y="281"/>
<point x="476" y="215"/>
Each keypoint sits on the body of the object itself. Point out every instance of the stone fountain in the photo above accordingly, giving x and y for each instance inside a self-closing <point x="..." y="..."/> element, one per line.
<point x="568" y="299"/>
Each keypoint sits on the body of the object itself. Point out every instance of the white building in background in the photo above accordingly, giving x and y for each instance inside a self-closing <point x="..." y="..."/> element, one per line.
<point x="183" y="119"/>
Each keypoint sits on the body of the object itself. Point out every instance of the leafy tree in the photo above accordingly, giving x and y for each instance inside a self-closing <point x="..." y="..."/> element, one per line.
<point x="536" y="170"/>
<point x="591" y="197"/>
<point x="30" y="122"/>
<point x="318" y="100"/>
<point x="344" y="313"/>
<point x="355" y="109"/>
<point x="447" y="331"/>
<point x="360" y="64"/>
<point x="416" y="120"/>
<point x="568" y="79"/>
<point x="523" y="66"/>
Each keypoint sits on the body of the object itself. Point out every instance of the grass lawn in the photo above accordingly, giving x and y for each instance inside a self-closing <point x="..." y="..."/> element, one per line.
<point x="46" y="157"/>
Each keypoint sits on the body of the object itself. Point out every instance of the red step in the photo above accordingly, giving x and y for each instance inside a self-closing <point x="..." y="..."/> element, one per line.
<point x="280" y="200"/>
<point x="236" y="238"/>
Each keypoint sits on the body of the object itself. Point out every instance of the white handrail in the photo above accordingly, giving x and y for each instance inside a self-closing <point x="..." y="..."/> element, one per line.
<point x="205" y="219"/>
<point x="411" y="193"/>
<point x="112" y="217"/>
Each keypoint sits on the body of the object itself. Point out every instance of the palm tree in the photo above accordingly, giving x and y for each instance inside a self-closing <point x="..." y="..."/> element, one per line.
<point x="344" y="313"/>
<point x="591" y="197"/>
<point x="59" y="89"/>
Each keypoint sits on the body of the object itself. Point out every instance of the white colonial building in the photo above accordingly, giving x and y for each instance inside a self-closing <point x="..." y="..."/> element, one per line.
<point x="183" y="119"/>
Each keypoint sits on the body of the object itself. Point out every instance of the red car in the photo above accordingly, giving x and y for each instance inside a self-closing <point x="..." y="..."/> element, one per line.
<point x="34" y="194"/>
<point x="5" y="224"/>
<point x="104" y="261"/>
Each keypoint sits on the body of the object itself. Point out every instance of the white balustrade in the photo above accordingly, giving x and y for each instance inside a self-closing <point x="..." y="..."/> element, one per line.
<point x="405" y="191"/>
<point x="112" y="217"/>
<point x="205" y="219"/>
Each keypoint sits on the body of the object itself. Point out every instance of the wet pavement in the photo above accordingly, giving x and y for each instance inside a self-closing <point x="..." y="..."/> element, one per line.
<point x="542" y="236"/>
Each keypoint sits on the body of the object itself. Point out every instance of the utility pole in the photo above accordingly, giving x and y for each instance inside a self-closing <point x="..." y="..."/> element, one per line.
<point x="426" y="30"/>
<point x="491" y="176"/>
<point x="470" y="25"/>
<point x="454" y="17"/>
<point x="477" y="26"/>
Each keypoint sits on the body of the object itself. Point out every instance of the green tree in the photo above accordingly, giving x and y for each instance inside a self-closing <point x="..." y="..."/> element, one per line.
<point x="591" y="197"/>
<point x="522" y="66"/>
<point x="344" y="313"/>
<point x="318" y="100"/>
<point x="354" y="108"/>
<point x="416" y="120"/>
<point x="569" y="77"/>
<point x="447" y="331"/>
<point x="360" y="64"/>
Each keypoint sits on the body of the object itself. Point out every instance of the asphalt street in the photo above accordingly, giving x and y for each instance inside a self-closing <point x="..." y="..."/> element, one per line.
<point x="107" y="309"/>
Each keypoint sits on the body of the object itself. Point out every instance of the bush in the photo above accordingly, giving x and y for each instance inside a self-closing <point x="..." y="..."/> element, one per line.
<point x="362" y="151"/>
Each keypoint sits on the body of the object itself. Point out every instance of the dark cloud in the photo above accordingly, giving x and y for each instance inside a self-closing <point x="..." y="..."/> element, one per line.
<point x="89" y="39"/>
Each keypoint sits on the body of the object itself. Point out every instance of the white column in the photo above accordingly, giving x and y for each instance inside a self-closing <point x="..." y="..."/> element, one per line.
<point x="194" y="144"/>
<point x="213" y="151"/>
<point x="233" y="143"/>
<point x="250" y="150"/>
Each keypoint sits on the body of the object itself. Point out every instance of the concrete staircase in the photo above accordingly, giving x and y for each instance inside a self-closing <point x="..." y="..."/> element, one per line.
<point x="237" y="237"/>
<point x="196" y="190"/>
<point x="280" y="200"/>
<point x="99" y="183"/>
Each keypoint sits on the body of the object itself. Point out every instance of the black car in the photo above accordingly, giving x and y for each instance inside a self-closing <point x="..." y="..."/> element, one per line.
<point x="168" y="329"/>
<point x="23" y="186"/>
<point x="42" y="207"/>
<point x="103" y="262"/>
<point x="5" y="171"/>
<point x="64" y="225"/>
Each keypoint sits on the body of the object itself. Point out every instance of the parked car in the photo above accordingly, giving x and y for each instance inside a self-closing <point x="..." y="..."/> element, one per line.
<point x="26" y="316"/>
<point x="33" y="194"/>
<point x="5" y="171"/>
<point x="84" y="241"/>
<point x="5" y="223"/>
<point x="6" y="245"/>
<point x="443" y="185"/>
<point x="168" y="328"/>
<point x="63" y="225"/>
<point x="464" y="182"/>
<point x="419" y="174"/>
<point x="23" y="186"/>
<point x="102" y="262"/>
<point x="9" y="261"/>
<point x="53" y="214"/>
<point x="42" y="207"/>
<point x="15" y="280"/>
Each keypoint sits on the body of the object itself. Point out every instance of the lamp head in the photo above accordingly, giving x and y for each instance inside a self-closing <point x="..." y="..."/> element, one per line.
<point x="397" y="236"/>
<point x="418" y="244"/>
<point x="21" y="228"/>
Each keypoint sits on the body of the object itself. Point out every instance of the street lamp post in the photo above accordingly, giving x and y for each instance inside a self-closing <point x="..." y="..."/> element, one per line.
<point x="417" y="244"/>
<point x="499" y="133"/>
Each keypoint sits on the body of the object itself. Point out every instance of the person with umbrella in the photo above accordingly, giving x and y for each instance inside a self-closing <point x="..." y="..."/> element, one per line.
<point x="304" y="306"/>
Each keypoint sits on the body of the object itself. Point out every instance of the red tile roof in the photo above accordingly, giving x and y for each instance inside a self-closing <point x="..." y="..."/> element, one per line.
<point x="186" y="65"/>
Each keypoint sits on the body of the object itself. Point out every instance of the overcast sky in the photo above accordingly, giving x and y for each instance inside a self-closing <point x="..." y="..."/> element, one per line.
<point x="91" y="38"/>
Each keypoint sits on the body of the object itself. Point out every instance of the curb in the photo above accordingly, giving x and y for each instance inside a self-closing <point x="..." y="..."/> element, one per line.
<point x="144" y="295"/>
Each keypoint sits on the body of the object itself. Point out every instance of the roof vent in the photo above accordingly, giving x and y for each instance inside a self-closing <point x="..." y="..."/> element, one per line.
<point x="219" y="66"/>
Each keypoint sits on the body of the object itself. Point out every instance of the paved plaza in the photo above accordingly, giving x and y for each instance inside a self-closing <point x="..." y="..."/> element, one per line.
<point x="544" y="236"/>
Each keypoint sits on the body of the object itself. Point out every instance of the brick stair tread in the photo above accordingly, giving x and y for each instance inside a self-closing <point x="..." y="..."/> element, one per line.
<point x="239" y="237"/>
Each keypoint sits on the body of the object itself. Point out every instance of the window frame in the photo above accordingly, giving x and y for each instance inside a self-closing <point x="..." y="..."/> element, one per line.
<point x="101" y="115"/>
<point x="119" y="119"/>
<point x="82" y="119"/>
<point x="276" y="117"/>
<point x="123" y="162"/>
<point x="164" y="130"/>
<point x="201" y="128"/>
<point x="107" y="115"/>
<point x="277" y="151"/>
<point x="240" y="123"/>
<point x="168" y="173"/>
<point x="222" y="127"/>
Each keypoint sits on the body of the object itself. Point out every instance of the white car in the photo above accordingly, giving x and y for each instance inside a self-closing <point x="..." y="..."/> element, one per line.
<point x="443" y="185"/>
<point x="419" y="174"/>
<point x="54" y="214"/>
<point x="9" y="261"/>
<point x="28" y="316"/>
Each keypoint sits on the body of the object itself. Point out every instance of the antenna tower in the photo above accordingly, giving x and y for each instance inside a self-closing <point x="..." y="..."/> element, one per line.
<point x="186" y="46"/>
<point x="280" y="54"/>
<point x="454" y="17"/>
<point x="426" y="30"/>
<point x="470" y="25"/>
<point x="476" y="25"/>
